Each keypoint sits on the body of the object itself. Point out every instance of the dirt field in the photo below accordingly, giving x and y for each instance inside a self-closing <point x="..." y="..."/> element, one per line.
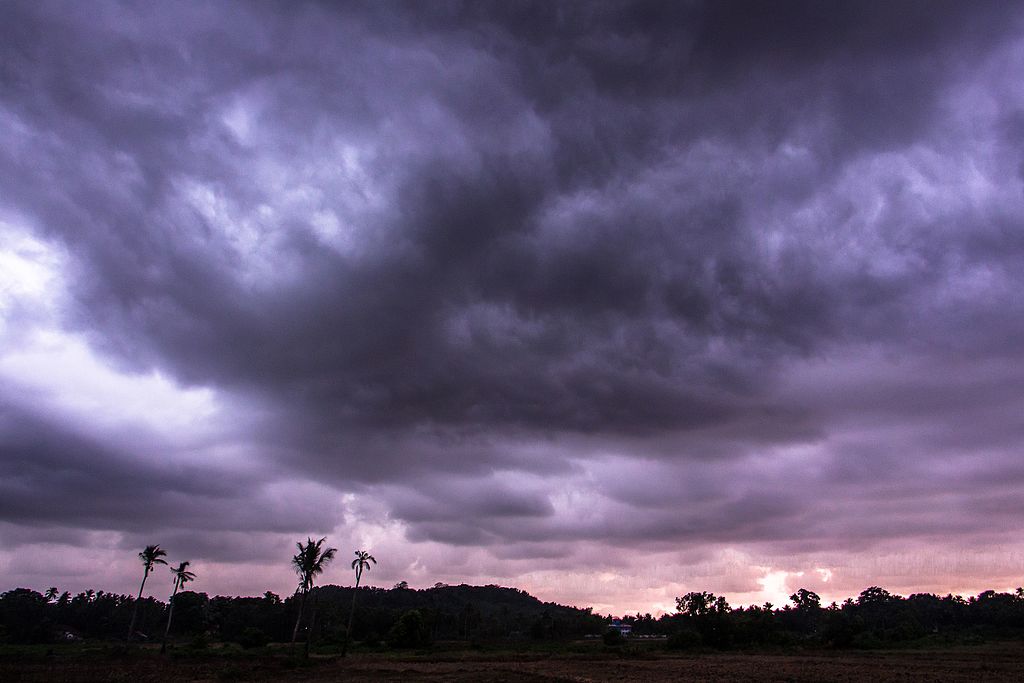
<point x="1002" y="662"/>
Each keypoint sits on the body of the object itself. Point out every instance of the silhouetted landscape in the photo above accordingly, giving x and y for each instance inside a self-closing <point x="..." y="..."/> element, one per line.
<point x="466" y="631"/>
<point x="403" y="617"/>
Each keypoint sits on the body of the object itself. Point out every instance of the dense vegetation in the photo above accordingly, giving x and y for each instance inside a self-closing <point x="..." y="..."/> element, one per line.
<point x="875" y="618"/>
<point x="402" y="618"/>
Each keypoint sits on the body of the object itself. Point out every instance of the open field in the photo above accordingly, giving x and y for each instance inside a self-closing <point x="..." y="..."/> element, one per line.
<point x="990" y="662"/>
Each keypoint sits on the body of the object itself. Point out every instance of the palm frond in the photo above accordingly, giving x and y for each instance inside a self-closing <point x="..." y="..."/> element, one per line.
<point x="363" y="559"/>
<point x="311" y="560"/>
<point x="152" y="555"/>
<point x="181" y="573"/>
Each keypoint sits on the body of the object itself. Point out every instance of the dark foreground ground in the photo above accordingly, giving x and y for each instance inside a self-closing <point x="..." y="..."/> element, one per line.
<point x="990" y="662"/>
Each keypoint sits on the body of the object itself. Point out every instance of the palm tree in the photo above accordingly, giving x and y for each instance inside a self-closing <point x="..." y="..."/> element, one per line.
<point x="362" y="561"/>
<point x="181" y="576"/>
<point x="150" y="557"/>
<point x="309" y="563"/>
<point x="51" y="594"/>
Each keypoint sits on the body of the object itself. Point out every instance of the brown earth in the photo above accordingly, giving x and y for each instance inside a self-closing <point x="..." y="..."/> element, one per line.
<point x="995" y="662"/>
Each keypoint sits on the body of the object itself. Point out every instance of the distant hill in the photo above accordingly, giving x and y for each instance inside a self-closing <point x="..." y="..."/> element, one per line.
<point x="465" y="611"/>
<point x="487" y="599"/>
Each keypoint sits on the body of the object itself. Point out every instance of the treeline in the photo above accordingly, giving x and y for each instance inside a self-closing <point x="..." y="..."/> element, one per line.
<point x="876" y="618"/>
<point x="399" y="617"/>
<point x="403" y="617"/>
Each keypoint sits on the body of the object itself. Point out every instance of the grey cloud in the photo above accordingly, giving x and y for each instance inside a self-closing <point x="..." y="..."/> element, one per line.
<point x="47" y="465"/>
<point x="217" y="546"/>
<point x="56" y="476"/>
<point x="479" y="240"/>
<point x="483" y="502"/>
<point x="376" y="329"/>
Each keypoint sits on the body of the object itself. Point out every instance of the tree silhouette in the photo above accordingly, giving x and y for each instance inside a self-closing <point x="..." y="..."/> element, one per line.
<point x="805" y="599"/>
<point x="51" y="594"/>
<point x="309" y="563"/>
<point x="151" y="556"/>
<point x="181" y="576"/>
<point x="699" y="604"/>
<point x="362" y="561"/>
<point x="874" y="596"/>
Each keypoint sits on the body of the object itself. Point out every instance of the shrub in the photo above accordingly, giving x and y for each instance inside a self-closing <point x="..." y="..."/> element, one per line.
<point x="684" y="639"/>
<point x="252" y="637"/>
<point x="612" y="638"/>
<point x="866" y="641"/>
<point x="409" y="631"/>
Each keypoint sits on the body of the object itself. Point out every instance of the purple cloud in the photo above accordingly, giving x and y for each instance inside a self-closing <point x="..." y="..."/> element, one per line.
<point x="549" y="288"/>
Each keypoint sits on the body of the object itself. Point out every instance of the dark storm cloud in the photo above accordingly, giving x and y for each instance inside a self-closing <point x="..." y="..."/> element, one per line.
<point x="54" y="476"/>
<point x="93" y="482"/>
<point x="474" y="238"/>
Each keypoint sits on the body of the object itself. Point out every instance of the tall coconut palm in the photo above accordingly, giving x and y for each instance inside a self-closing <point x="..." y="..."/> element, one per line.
<point x="181" y="576"/>
<point x="51" y="594"/>
<point x="150" y="557"/>
<point x="309" y="563"/>
<point x="362" y="561"/>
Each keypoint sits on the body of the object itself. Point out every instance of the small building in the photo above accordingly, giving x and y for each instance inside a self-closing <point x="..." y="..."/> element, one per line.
<point x="624" y="629"/>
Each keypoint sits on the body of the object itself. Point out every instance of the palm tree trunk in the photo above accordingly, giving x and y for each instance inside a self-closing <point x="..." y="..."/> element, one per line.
<point x="351" y="613"/>
<point x="312" y="625"/>
<point x="135" y="610"/>
<point x="170" y="615"/>
<point x="302" y="605"/>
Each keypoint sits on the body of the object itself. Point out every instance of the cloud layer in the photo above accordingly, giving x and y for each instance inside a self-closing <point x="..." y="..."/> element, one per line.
<point x="539" y="293"/>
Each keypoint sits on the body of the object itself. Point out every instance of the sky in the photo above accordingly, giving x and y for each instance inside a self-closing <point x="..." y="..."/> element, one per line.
<point x="606" y="301"/>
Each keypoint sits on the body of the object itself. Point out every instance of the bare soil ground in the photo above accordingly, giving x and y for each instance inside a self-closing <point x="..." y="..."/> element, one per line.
<point x="992" y="662"/>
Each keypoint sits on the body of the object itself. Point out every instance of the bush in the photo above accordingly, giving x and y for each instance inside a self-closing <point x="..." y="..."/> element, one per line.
<point x="612" y="638"/>
<point x="684" y="639"/>
<point x="409" y="631"/>
<point x="627" y="650"/>
<point x="908" y="628"/>
<point x="866" y="641"/>
<point x="252" y="637"/>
